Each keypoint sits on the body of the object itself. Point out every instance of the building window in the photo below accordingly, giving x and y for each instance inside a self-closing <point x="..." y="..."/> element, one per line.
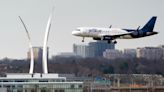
<point x="43" y="90"/>
<point x="80" y="86"/>
<point x="32" y="90"/>
<point x="61" y="90"/>
<point x="72" y="86"/>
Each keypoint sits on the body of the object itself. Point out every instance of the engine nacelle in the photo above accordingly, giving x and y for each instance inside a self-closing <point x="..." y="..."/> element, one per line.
<point x="138" y="33"/>
<point x="103" y="38"/>
<point x="107" y="38"/>
<point x="94" y="38"/>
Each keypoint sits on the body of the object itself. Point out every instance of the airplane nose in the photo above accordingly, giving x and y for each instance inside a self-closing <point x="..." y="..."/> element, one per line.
<point x="75" y="33"/>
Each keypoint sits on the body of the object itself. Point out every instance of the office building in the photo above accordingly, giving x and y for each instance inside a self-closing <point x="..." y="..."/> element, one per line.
<point x="38" y="58"/>
<point x="112" y="54"/>
<point x="129" y="53"/>
<point x="92" y="49"/>
<point x="38" y="51"/>
<point x="82" y="50"/>
<point x="99" y="47"/>
<point x="66" y="54"/>
<point x="162" y="48"/>
<point x="150" y="53"/>
<point x="38" y="83"/>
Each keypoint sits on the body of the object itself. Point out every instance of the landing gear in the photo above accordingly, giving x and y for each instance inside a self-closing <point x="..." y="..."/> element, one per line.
<point x="82" y="40"/>
<point x="109" y="41"/>
<point x="115" y="42"/>
<point x="112" y="42"/>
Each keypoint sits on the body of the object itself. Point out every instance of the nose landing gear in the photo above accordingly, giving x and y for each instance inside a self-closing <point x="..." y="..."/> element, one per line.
<point x="82" y="40"/>
<point x="112" y="42"/>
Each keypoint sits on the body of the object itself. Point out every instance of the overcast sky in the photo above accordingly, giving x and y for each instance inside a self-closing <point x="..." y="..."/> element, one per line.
<point x="70" y="14"/>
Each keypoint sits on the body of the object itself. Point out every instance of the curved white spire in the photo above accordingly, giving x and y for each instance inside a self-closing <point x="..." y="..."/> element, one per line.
<point x="31" y="71"/>
<point x="44" y="61"/>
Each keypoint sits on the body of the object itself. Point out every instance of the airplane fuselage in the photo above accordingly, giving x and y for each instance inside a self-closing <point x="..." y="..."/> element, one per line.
<point x="95" y="32"/>
<point x="98" y="32"/>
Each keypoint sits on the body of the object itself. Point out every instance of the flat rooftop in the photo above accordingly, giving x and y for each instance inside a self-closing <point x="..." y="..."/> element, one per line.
<point x="32" y="76"/>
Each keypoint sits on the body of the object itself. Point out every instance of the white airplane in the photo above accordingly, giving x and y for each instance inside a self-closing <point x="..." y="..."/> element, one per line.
<point x="111" y="34"/>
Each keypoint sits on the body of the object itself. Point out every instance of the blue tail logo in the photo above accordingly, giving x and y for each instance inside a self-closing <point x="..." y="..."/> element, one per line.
<point x="149" y="26"/>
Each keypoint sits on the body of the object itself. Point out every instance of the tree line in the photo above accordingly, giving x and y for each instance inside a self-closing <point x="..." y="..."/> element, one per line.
<point x="91" y="67"/>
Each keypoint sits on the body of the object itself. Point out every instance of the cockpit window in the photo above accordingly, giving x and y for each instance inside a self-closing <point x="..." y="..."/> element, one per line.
<point x="77" y="29"/>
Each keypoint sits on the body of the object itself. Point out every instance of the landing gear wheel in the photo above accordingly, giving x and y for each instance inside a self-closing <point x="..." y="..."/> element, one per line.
<point x="112" y="42"/>
<point x="82" y="40"/>
<point x="109" y="42"/>
<point x="115" y="42"/>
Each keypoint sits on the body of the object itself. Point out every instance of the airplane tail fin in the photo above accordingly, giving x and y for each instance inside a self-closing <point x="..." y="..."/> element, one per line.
<point x="149" y="26"/>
